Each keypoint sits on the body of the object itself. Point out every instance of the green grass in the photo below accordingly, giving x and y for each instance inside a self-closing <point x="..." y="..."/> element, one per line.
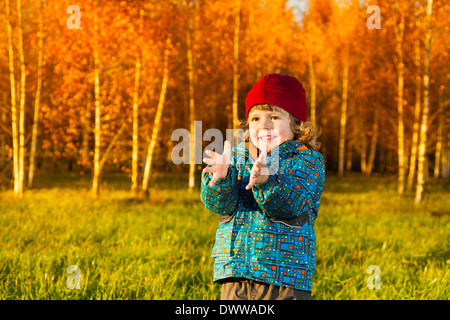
<point x="159" y="248"/>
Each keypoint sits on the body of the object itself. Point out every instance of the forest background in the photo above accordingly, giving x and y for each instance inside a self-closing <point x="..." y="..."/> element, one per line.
<point x="96" y="89"/>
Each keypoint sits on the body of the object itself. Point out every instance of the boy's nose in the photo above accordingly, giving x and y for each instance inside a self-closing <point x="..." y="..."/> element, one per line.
<point x="267" y="124"/>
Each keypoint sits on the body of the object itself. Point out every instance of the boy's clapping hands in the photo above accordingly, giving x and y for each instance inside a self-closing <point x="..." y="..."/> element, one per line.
<point x="259" y="172"/>
<point x="219" y="163"/>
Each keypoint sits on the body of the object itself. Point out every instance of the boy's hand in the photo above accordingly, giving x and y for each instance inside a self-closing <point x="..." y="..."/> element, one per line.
<point x="218" y="163"/>
<point x="260" y="172"/>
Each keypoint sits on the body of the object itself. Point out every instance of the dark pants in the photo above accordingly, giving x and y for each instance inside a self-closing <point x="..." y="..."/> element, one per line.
<point x="244" y="289"/>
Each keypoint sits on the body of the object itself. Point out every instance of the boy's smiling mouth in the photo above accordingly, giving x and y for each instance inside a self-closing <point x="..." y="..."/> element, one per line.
<point x="267" y="137"/>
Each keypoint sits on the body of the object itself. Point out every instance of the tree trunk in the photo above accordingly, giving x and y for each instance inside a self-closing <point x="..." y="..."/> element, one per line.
<point x="351" y="142"/>
<point x="417" y="109"/>
<point x="343" y="116"/>
<point x="236" y="62"/>
<point x="18" y="190"/>
<point x="170" y="143"/>
<point x="86" y="132"/>
<point x="134" y="161"/>
<point x="2" y="135"/>
<point x="323" y="147"/>
<point x="373" y="143"/>
<point x="362" y="132"/>
<point x="446" y="157"/>
<point x="97" y="132"/>
<point x="191" y="112"/>
<point x="426" y="105"/>
<point x="22" y="97"/>
<point x="399" y="31"/>
<point x="36" y="100"/>
<point x="437" y="158"/>
<point x="157" y="122"/>
<point x="312" y="80"/>
<point x="349" y="156"/>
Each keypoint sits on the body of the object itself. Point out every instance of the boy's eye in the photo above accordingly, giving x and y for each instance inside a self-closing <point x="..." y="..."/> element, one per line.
<point x="254" y="119"/>
<point x="275" y="117"/>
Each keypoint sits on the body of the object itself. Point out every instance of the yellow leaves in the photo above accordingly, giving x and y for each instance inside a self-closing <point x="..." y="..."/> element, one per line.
<point x="270" y="41"/>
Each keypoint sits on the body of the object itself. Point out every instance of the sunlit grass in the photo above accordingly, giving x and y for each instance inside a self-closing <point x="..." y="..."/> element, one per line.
<point x="159" y="248"/>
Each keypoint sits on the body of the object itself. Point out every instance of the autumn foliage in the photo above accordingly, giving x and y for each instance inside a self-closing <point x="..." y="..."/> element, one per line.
<point x="317" y="41"/>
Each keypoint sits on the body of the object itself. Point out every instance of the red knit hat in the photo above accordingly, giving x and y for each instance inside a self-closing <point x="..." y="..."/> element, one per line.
<point x="279" y="90"/>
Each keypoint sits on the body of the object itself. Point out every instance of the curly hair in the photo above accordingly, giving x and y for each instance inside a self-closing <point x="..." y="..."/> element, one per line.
<point x="305" y="132"/>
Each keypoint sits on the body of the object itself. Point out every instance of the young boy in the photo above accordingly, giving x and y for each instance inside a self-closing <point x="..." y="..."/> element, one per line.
<point x="265" y="241"/>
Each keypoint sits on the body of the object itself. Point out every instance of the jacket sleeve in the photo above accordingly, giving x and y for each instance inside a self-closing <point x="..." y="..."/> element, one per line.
<point x="294" y="191"/>
<point x="223" y="197"/>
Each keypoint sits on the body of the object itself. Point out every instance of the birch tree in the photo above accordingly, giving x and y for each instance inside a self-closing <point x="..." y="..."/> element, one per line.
<point x="2" y="133"/>
<point x="440" y="131"/>
<point x="426" y="105"/>
<point x="191" y="111"/>
<point x="86" y="130"/>
<point x="237" y="27"/>
<point x="97" y="131"/>
<point x="157" y="121"/>
<point x="22" y="97"/>
<point x="446" y="156"/>
<point x="345" y="15"/>
<point x="18" y="188"/>
<point x="343" y="121"/>
<point x="373" y="143"/>
<point x="134" y="161"/>
<point x="399" y="36"/>
<point x="37" y="98"/>
<point x="417" y="108"/>
<point x="312" y="81"/>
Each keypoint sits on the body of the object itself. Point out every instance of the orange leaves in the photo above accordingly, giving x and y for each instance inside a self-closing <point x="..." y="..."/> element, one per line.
<point x="270" y="40"/>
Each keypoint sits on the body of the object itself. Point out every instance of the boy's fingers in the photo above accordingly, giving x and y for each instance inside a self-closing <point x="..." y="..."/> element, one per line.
<point x="263" y="156"/>
<point x="209" y="161"/>
<point x="227" y="147"/>
<point x="227" y="151"/>
<point x="251" y="182"/>
<point x="213" y="181"/>
<point x="256" y="170"/>
<point x="211" y="153"/>
<point x="209" y="170"/>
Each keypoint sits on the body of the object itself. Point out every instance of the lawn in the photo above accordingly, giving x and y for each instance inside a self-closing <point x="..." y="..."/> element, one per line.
<point x="159" y="248"/>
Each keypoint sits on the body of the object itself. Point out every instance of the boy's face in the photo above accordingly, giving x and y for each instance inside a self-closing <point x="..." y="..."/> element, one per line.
<point x="269" y="128"/>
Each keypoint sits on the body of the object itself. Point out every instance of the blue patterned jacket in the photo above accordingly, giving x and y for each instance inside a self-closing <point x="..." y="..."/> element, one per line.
<point x="267" y="233"/>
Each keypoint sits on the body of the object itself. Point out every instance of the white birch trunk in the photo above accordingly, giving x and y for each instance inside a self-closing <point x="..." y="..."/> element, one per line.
<point x="426" y="105"/>
<point x="312" y="80"/>
<point x="437" y="155"/>
<point x="191" y="112"/>
<point x="417" y="109"/>
<point x="399" y="31"/>
<point x="36" y="100"/>
<point x="373" y="143"/>
<point x="97" y="131"/>
<point x="157" y="122"/>
<point x="343" y="116"/>
<point x="236" y="63"/>
<point x="15" y="136"/>
<point x="134" y="160"/>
